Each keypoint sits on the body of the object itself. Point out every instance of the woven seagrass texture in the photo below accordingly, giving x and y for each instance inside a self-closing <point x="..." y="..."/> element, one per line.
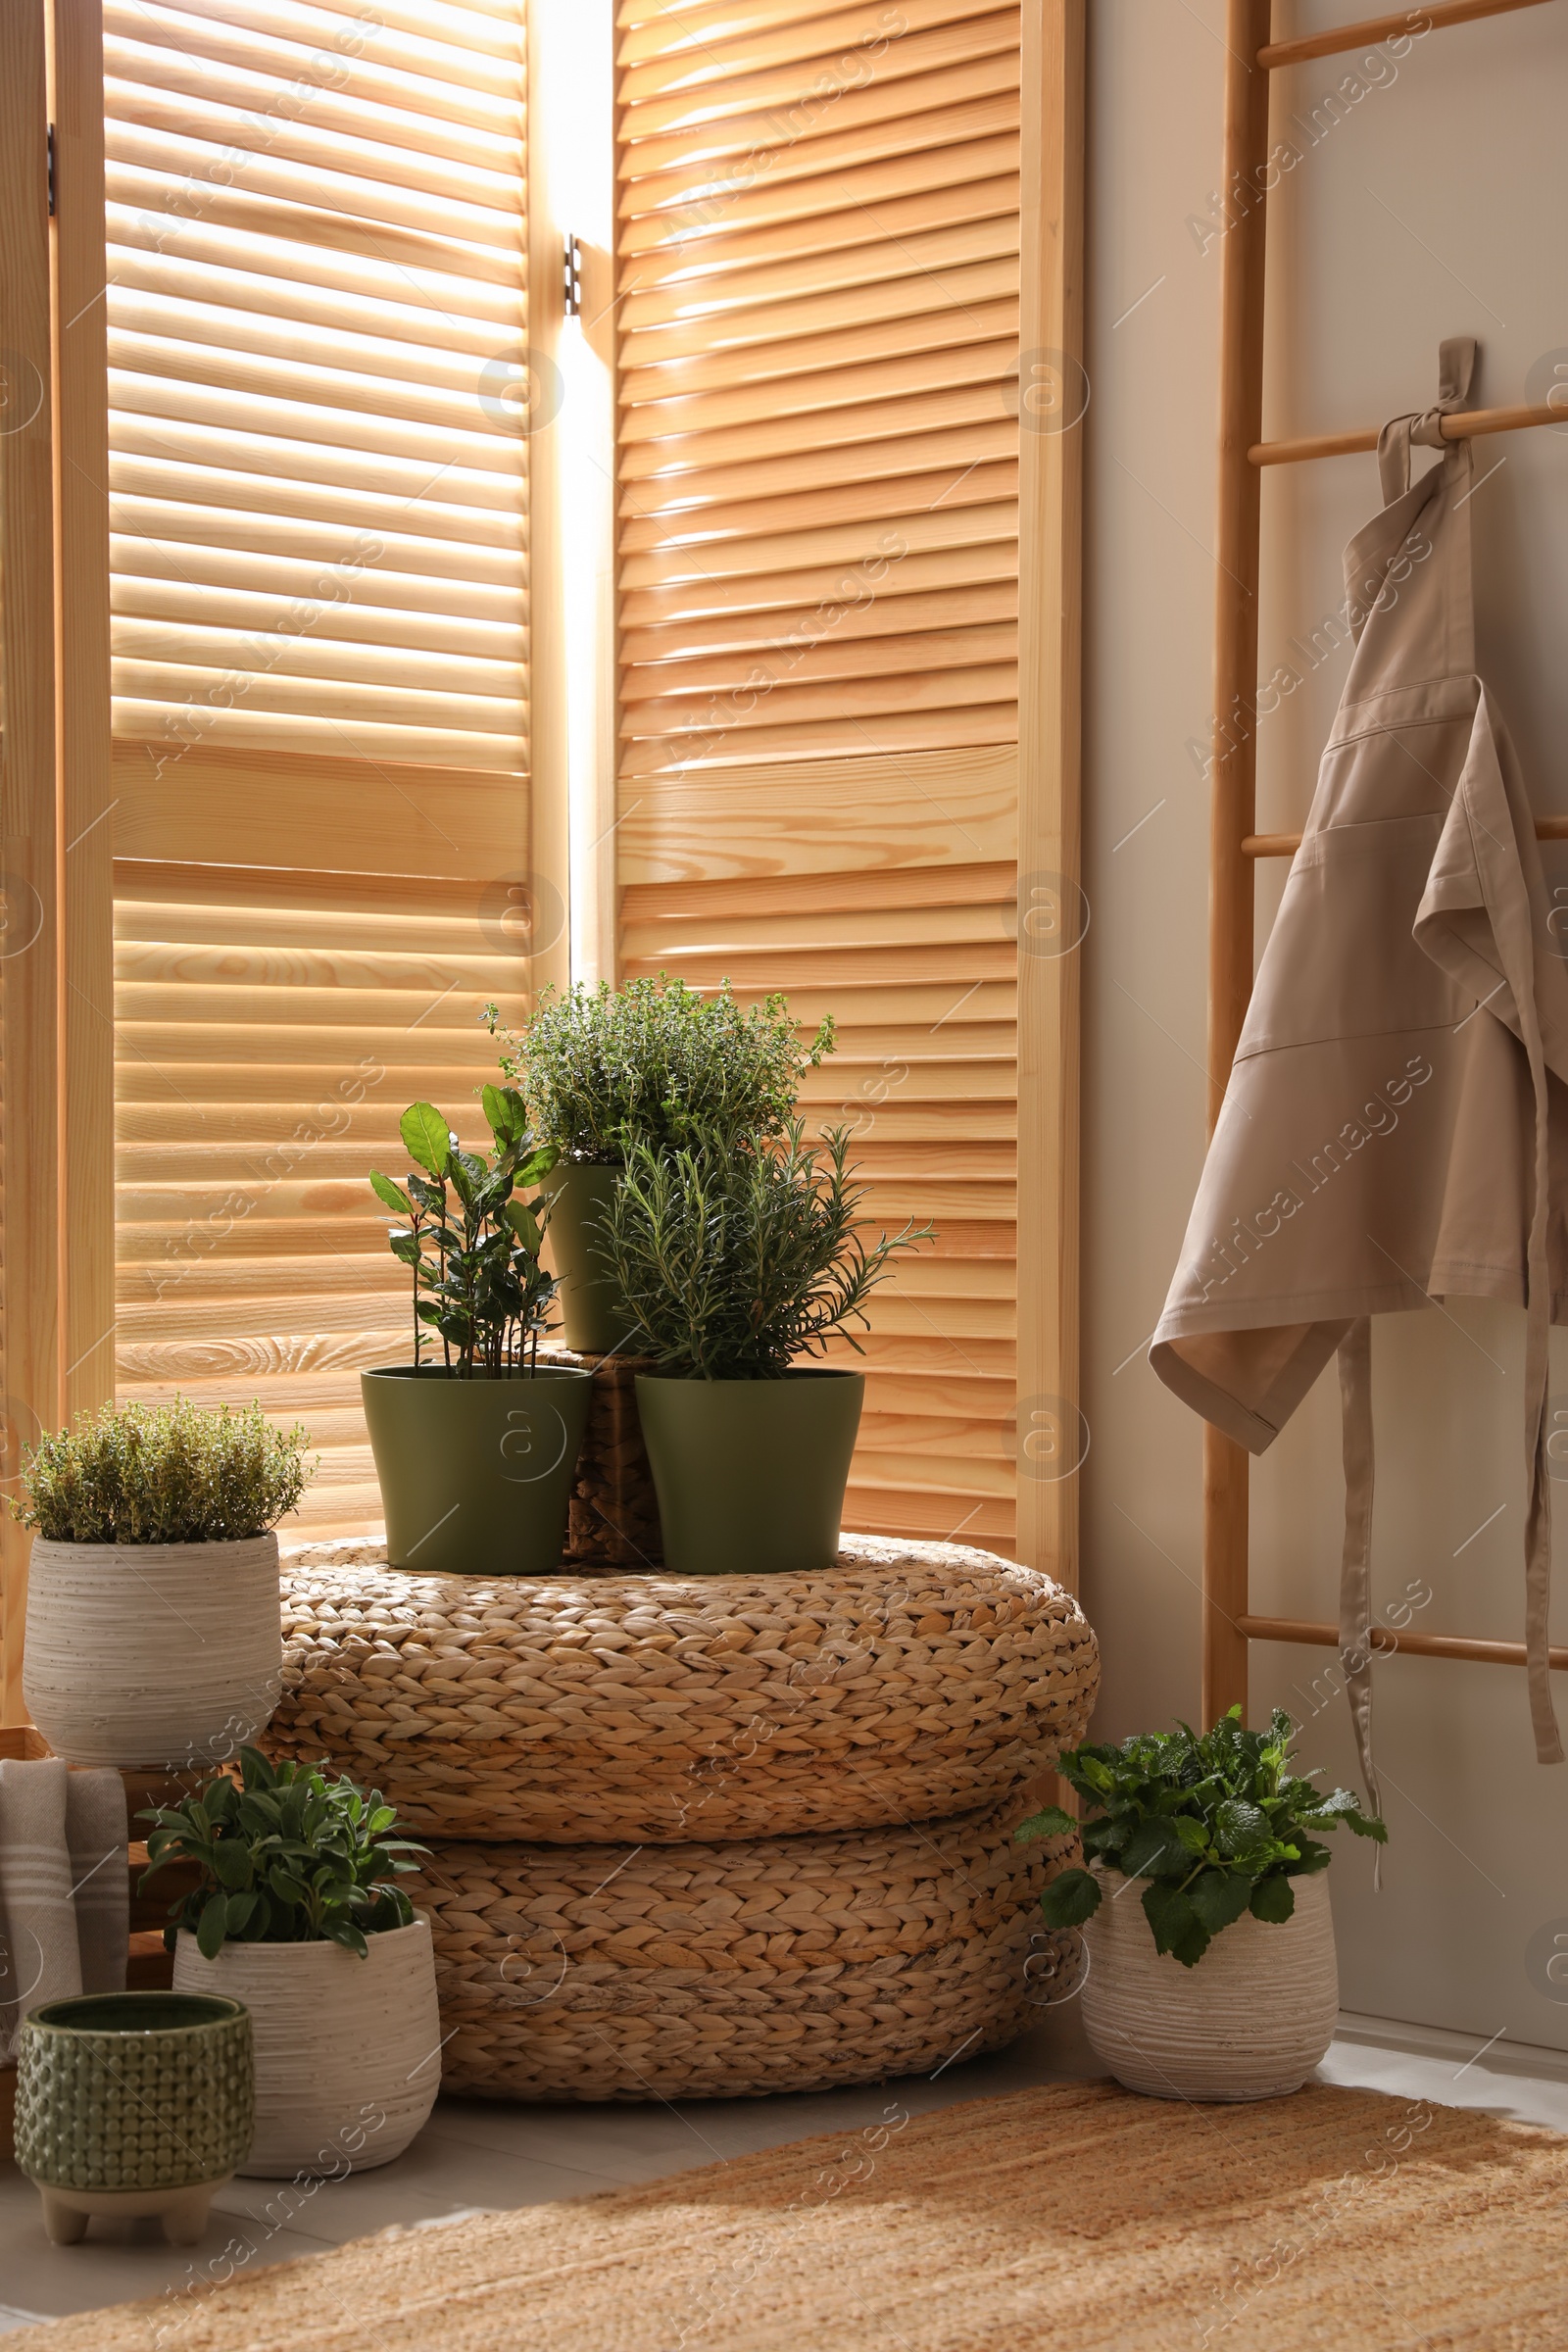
<point x="613" y="1515"/>
<point x="119" y="2111"/>
<point x="763" y="1963"/>
<point x="913" y="1681"/>
<point x="1079" y="2216"/>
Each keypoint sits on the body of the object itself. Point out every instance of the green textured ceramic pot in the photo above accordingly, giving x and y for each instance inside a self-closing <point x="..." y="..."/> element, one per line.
<point x="475" y="1475"/>
<point x="134" y="2091"/>
<point x="751" y="1474"/>
<point x="591" y="1307"/>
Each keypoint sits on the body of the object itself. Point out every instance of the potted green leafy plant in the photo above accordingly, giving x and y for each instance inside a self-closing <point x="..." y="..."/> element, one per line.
<point x="153" y="1633"/>
<point x="652" y="1065"/>
<point x="297" y="1913"/>
<point x="474" y="1441"/>
<point x="736" y="1261"/>
<point x="1220" y="1982"/>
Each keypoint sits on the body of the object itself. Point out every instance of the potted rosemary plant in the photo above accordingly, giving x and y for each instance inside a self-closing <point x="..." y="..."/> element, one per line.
<point x="475" y="1442"/>
<point x="736" y="1259"/>
<point x="154" y="1635"/>
<point x="652" y="1065"/>
<point x="1219" y="1981"/>
<point x="295" y="1911"/>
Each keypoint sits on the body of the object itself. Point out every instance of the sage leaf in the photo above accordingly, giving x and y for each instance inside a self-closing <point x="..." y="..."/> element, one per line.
<point x="212" y="1927"/>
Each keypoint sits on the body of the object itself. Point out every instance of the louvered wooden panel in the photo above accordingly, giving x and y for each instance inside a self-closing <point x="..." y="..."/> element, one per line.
<point x="316" y="320"/>
<point x="811" y="383"/>
<point x="918" y="969"/>
<point x="819" y="611"/>
<point x="270" y="1029"/>
<point x="318" y="323"/>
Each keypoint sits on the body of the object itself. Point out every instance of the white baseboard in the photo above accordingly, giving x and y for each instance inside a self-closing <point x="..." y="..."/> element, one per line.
<point x="1506" y="2056"/>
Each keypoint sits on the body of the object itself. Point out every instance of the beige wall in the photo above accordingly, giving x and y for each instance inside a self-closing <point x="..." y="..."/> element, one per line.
<point x="1436" y="205"/>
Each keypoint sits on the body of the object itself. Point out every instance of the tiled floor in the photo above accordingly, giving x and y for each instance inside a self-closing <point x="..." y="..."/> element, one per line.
<point x="474" y="2155"/>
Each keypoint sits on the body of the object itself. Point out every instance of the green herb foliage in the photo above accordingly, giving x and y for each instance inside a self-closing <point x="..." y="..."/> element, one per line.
<point x="733" y="1261"/>
<point x="655" y="1063"/>
<point x="472" y="1244"/>
<point x="1217" y="1826"/>
<point x="178" y="1473"/>
<point x="286" y="1856"/>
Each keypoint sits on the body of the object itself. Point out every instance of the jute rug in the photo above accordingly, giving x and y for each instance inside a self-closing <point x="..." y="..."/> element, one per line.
<point x="1080" y="2217"/>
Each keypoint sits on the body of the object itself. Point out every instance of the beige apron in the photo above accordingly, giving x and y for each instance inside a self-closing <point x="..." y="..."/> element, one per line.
<point x="1396" y="1126"/>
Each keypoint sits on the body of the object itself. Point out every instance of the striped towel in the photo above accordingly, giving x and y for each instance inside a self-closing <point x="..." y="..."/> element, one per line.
<point x="64" y="1888"/>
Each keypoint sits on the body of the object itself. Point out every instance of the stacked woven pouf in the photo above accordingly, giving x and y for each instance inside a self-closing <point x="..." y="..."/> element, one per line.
<point x="705" y="1836"/>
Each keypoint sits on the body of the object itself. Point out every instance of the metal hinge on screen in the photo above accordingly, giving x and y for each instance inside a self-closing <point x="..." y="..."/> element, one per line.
<point x="571" y="277"/>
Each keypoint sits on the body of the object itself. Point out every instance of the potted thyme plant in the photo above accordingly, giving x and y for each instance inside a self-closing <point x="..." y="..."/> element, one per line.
<point x="736" y="1259"/>
<point x="291" y="1905"/>
<point x="152" y="1633"/>
<point x="1219" y="1981"/>
<point x="652" y="1065"/>
<point x="475" y="1442"/>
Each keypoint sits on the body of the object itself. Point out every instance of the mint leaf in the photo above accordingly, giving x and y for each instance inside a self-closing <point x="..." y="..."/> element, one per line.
<point x="1070" y="1899"/>
<point x="1053" y="1822"/>
<point x="1273" y="1900"/>
<point x="1219" y="1896"/>
<point x="1171" y="1916"/>
<point x="1155" y="1852"/>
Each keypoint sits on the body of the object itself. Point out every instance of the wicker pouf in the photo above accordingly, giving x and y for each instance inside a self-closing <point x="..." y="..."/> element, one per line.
<point x="589" y="1972"/>
<point x="913" y="1682"/>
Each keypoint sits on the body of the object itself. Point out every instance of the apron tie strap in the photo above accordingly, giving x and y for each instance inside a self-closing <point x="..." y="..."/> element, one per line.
<point x="1356" y="1573"/>
<point x="1538" y="1468"/>
<point x="1456" y="360"/>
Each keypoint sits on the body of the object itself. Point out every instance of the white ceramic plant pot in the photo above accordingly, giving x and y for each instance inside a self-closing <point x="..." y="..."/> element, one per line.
<point x="1249" y="2022"/>
<point x="153" y="1653"/>
<point x="347" y="2051"/>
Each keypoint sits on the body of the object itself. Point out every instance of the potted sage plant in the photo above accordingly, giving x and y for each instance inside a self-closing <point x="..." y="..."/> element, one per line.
<point x="1219" y="1981"/>
<point x="738" y="1259"/>
<point x="291" y="1905"/>
<point x="153" y="1631"/>
<point x="652" y="1066"/>
<point x="474" y="1441"/>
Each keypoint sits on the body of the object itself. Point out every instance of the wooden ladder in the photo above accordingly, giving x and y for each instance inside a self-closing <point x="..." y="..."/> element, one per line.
<point x="1254" y="58"/>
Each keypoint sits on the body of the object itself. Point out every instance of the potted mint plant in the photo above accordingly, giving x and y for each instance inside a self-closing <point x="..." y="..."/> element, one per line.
<point x="475" y="1442"/>
<point x="153" y="1633"/>
<point x="1219" y="1981"/>
<point x="296" y="1912"/>
<point x="652" y="1066"/>
<point x="737" y="1259"/>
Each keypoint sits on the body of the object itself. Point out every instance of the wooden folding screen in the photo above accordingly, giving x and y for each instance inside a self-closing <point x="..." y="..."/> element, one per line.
<point x="316" y="320"/>
<point x="821" y="788"/>
<point x="284" y="427"/>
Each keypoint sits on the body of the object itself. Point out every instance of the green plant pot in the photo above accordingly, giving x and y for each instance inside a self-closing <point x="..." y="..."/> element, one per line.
<point x="591" y="1304"/>
<point x="134" y="2091"/>
<point x="475" y="1475"/>
<point x="751" y="1474"/>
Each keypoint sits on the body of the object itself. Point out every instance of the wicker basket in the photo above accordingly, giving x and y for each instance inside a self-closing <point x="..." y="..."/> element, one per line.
<point x="913" y="1682"/>
<point x="733" y="1970"/>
